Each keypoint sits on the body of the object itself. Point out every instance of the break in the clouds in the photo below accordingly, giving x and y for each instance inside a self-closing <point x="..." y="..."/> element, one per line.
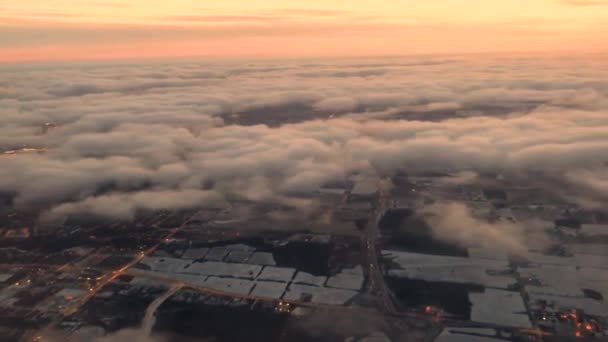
<point x="123" y="137"/>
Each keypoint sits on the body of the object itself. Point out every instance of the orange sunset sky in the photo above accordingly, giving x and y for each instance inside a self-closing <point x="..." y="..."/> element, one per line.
<point x="45" y="30"/>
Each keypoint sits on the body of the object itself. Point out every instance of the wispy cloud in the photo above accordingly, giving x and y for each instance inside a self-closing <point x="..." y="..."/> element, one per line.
<point x="221" y="18"/>
<point x="213" y="16"/>
<point x="52" y="14"/>
<point x="584" y="3"/>
<point x="113" y="4"/>
<point x="312" y="12"/>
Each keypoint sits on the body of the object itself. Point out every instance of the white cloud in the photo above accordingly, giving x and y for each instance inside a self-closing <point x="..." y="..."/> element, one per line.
<point x="152" y="129"/>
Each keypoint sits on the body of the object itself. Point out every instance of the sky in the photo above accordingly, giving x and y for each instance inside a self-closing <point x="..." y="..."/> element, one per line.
<point x="46" y="30"/>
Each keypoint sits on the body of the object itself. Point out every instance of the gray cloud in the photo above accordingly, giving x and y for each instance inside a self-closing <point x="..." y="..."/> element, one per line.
<point x="130" y="133"/>
<point x="125" y="205"/>
<point x="454" y="223"/>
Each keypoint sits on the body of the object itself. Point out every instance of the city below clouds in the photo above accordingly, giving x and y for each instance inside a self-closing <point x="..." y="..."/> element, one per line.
<point x="126" y="136"/>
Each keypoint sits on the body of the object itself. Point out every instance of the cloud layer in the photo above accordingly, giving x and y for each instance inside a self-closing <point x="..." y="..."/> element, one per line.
<point x="128" y="136"/>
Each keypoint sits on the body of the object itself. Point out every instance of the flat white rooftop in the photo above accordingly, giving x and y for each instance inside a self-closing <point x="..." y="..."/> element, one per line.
<point x="542" y="259"/>
<point x="238" y="256"/>
<point x="240" y="247"/>
<point x="346" y="281"/>
<point x="217" y="254"/>
<point x="165" y="265"/>
<point x="405" y="259"/>
<point x="223" y="269"/>
<point x="191" y="278"/>
<point x="357" y="270"/>
<point x="467" y="335"/>
<point x="487" y="253"/>
<point x="195" y="253"/>
<point x="320" y="294"/>
<point x="480" y="271"/>
<point x="455" y="274"/>
<point x="505" y="308"/>
<point x="262" y="258"/>
<point x="309" y="279"/>
<point x="237" y="286"/>
<point x="269" y="289"/>
<point x="552" y="279"/>
<point x="277" y="273"/>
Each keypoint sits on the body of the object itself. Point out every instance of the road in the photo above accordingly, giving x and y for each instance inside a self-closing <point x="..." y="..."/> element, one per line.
<point x="72" y="309"/>
<point x="150" y="318"/>
<point x="376" y="284"/>
<point x="117" y="273"/>
<point x="170" y="279"/>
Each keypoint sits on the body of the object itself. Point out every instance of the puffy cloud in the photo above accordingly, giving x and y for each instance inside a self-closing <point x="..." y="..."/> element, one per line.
<point x="124" y="205"/>
<point x="462" y="177"/>
<point x="128" y="134"/>
<point x="342" y="104"/>
<point x="454" y="223"/>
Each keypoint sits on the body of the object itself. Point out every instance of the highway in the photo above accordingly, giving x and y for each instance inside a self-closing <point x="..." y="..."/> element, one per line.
<point x="376" y="284"/>
<point x="150" y="318"/>
<point x="117" y="273"/>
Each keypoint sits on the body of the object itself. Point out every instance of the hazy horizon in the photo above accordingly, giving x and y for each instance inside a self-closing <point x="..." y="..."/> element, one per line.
<point x="82" y="30"/>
